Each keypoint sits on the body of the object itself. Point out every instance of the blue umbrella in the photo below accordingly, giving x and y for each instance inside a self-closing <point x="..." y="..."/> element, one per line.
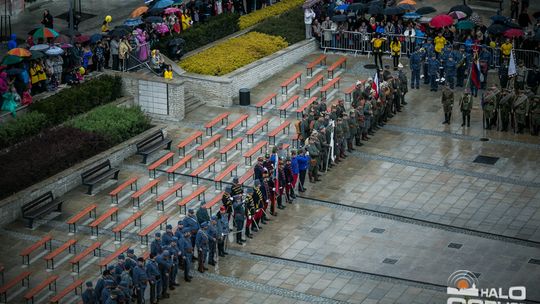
<point x="411" y="15"/>
<point x="343" y="7"/>
<point x="499" y="19"/>
<point x="163" y="4"/>
<point x="95" y="38"/>
<point x="133" y="22"/>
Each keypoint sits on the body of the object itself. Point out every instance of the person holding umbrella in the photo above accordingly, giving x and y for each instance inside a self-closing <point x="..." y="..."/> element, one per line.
<point x="47" y="20"/>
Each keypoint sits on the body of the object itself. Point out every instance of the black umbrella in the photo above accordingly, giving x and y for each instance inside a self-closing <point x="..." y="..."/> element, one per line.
<point x="499" y="19"/>
<point x="153" y="19"/>
<point x="339" y="18"/>
<point x="407" y="7"/>
<point x="496" y="28"/>
<point x="375" y="10"/>
<point x="37" y="54"/>
<point x="70" y="33"/>
<point x="356" y="7"/>
<point x="176" y="41"/>
<point x="536" y="15"/>
<point x="155" y="11"/>
<point x="537" y="36"/>
<point x="512" y="25"/>
<point x="118" y="32"/>
<point x="391" y="11"/>
<point x="14" y="71"/>
<point x="462" y="8"/>
<point x="426" y="10"/>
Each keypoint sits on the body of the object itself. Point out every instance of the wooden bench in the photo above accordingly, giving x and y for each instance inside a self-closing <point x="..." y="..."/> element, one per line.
<point x="272" y="98"/>
<point x="168" y="158"/>
<point x="304" y="106"/>
<point x="313" y="83"/>
<point x="152" y="186"/>
<point x="152" y="144"/>
<point x="260" y="125"/>
<point x="100" y="172"/>
<point x="211" y="141"/>
<point x="106" y="261"/>
<point x="143" y="234"/>
<point x="256" y="148"/>
<point x="272" y="134"/>
<point x="197" y="137"/>
<point x="44" y="241"/>
<point x="240" y="121"/>
<point x="229" y="170"/>
<point x="283" y="108"/>
<point x="130" y="182"/>
<point x="77" y="217"/>
<point x="111" y="212"/>
<point x="331" y="84"/>
<point x="77" y="285"/>
<point x="50" y="281"/>
<point x="209" y="164"/>
<point x="132" y="219"/>
<point x="183" y="162"/>
<point x="320" y="60"/>
<point x="67" y="245"/>
<point x="234" y="143"/>
<point x="160" y="200"/>
<point x="297" y="78"/>
<point x="197" y="193"/>
<point x="348" y="92"/>
<point x="210" y="125"/>
<point x="213" y="201"/>
<point x="23" y="277"/>
<point x="249" y="174"/>
<point x="78" y="258"/>
<point x="341" y="62"/>
<point x="39" y="207"/>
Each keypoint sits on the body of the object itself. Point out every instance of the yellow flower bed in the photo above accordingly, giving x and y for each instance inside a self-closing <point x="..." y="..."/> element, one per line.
<point x="250" y="19"/>
<point x="233" y="54"/>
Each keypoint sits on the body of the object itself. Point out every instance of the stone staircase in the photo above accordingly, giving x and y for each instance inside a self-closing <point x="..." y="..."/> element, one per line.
<point x="192" y="102"/>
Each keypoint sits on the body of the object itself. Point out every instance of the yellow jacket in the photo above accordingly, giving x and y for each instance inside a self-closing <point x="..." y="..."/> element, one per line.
<point x="186" y="20"/>
<point x="377" y="42"/>
<point x="167" y="74"/>
<point x="506" y="48"/>
<point x="439" y="41"/>
<point x="395" y="47"/>
<point x="37" y="74"/>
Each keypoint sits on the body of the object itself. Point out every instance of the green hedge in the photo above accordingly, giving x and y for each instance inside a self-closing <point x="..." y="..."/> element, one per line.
<point x="116" y="124"/>
<point x="22" y="127"/>
<point x="79" y="99"/>
<point x="204" y="33"/>
<point x="289" y="25"/>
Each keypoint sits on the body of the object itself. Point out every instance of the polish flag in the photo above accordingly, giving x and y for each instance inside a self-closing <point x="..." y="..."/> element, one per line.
<point x="375" y="84"/>
<point x="475" y="74"/>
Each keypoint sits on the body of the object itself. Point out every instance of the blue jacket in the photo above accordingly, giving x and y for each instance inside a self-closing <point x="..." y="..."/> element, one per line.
<point x="191" y="223"/>
<point x="155" y="247"/>
<point x="89" y="296"/>
<point x="163" y="263"/>
<point x="152" y="270"/>
<point x="450" y="68"/>
<point x="12" y="42"/>
<point x="139" y="277"/>
<point x="212" y="232"/>
<point x="433" y="67"/>
<point x="201" y="240"/>
<point x="166" y="238"/>
<point x="186" y="247"/>
<point x="415" y="61"/>
<point x="294" y="165"/>
<point x="222" y="225"/>
<point x="303" y="162"/>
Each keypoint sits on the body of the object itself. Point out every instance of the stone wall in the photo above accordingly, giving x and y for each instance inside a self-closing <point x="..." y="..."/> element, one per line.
<point x="67" y="180"/>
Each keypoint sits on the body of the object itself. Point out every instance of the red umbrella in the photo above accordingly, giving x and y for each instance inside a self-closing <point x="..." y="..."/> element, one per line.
<point x="82" y="39"/>
<point x="513" y="33"/>
<point x="62" y="39"/>
<point x="441" y="21"/>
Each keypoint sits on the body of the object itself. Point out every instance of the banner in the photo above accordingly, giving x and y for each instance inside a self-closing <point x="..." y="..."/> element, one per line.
<point x="512" y="65"/>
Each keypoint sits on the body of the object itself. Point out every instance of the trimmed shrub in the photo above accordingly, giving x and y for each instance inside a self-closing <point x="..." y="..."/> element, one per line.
<point x="116" y="124"/>
<point x="289" y="25"/>
<point x="233" y="54"/>
<point x="267" y="12"/>
<point x="79" y="99"/>
<point x="42" y="156"/>
<point x="21" y="128"/>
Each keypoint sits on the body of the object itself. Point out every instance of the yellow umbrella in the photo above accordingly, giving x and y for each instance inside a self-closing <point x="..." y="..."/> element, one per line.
<point x="138" y="11"/>
<point x="411" y="2"/>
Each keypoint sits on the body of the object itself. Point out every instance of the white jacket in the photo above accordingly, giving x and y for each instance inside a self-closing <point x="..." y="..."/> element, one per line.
<point x="309" y="14"/>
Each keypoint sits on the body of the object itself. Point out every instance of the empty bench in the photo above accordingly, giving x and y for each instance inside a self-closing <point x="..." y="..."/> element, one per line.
<point x="23" y="278"/>
<point x="240" y="121"/>
<point x="100" y="172"/>
<point x="44" y="241"/>
<point x="72" y="222"/>
<point x="341" y="62"/>
<point x="167" y="158"/>
<point x="213" y="201"/>
<point x="249" y="174"/>
<point x="305" y="105"/>
<point x="50" y="281"/>
<point x="196" y="136"/>
<point x="219" y="178"/>
<point x="256" y="148"/>
<point x="272" y="98"/>
<point x="283" y="108"/>
<point x="77" y="285"/>
<point x="152" y="144"/>
<point x="130" y="182"/>
<point x="296" y="78"/>
<point x="272" y="134"/>
<point x="160" y="201"/>
<point x="209" y="126"/>
<point x="111" y="212"/>
<point x="331" y="84"/>
<point x="313" y="84"/>
<point x="210" y="164"/>
<point x="212" y="141"/>
<point x="233" y="144"/>
<point x="49" y="258"/>
<point x="197" y="193"/>
<point x="183" y="162"/>
<point x="78" y="258"/>
<point x="151" y="185"/>
<point x="143" y="234"/>
<point x="132" y="219"/>
<point x="319" y="60"/>
<point x="39" y="207"/>
<point x="260" y="125"/>
<point x="348" y="92"/>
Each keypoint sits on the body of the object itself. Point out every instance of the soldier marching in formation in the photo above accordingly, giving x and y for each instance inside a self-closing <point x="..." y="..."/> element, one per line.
<point x="447" y="101"/>
<point x="465" y="105"/>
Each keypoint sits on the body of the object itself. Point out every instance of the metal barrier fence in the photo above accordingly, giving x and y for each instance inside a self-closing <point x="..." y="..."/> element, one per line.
<point x="361" y="43"/>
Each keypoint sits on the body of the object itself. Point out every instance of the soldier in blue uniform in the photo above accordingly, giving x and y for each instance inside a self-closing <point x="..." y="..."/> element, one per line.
<point x="164" y="263"/>
<point x="202" y="213"/>
<point x="415" y="62"/>
<point x="187" y="253"/>
<point x="450" y="71"/>
<point x="140" y="280"/>
<point x="201" y="241"/>
<point x="155" y="246"/>
<point x="89" y="295"/>
<point x="433" y="69"/>
<point x="258" y="169"/>
<point x="239" y="217"/>
<point x="461" y="66"/>
<point x="222" y="230"/>
<point x="154" y="278"/>
<point x="484" y="58"/>
<point x="429" y="50"/>
<point x="131" y="259"/>
<point x="167" y="236"/>
<point x="174" y="251"/>
<point x="190" y="221"/>
<point x="100" y="284"/>
<point x="212" y="240"/>
<point x="178" y="232"/>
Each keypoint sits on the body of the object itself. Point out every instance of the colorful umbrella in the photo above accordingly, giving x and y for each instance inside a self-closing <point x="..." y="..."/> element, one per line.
<point x="513" y="33"/>
<point x="39" y="47"/>
<point x="45" y="32"/>
<point x="425" y="19"/>
<point x="411" y="2"/>
<point x="426" y="10"/>
<point x="476" y="18"/>
<point x="133" y="22"/>
<point x="457" y="15"/>
<point x="163" y="4"/>
<point x="441" y="21"/>
<point x="138" y="11"/>
<point x="462" y="8"/>
<point x="171" y="10"/>
<point x="162" y="28"/>
<point x="342" y="7"/>
<point x="82" y="39"/>
<point x="66" y="45"/>
<point x="11" y="59"/>
<point x="54" y="51"/>
<point x="411" y="16"/>
<point x="465" y="25"/>
<point x="21" y="52"/>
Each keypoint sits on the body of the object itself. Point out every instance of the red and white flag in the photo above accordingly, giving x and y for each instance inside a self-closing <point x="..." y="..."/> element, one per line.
<point x="375" y="84"/>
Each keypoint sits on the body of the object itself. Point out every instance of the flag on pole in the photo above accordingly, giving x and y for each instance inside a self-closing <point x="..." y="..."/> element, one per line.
<point x="512" y="65"/>
<point x="475" y="74"/>
<point x="375" y="84"/>
<point x="276" y="175"/>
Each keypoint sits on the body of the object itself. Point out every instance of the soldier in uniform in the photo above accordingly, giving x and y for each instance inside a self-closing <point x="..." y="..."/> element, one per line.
<point x="227" y="199"/>
<point x="534" y="115"/>
<point x="461" y="60"/>
<point x="202" y="243"/>
<point x="212" y="240"/>
<point x="346" y="133"/>
<point x="259" y="168"/>
<point x="268" y="191"/>
<point x="450" y="71"/>
<point x="521" y="110"/>
<point x="239" y="217"/>
<point x="403" y="84"/>
<point x="415" y="63"/>
<point x="313" y="153"/>
<point x="236" y="187"/>
<point x="447" y="100"/>
<point x="465" y="105"/>
<point x="433" y="71"/>
<point x="250" y="211"/>
<point x="155" y="246"/>
<point x="429" y="51"/>
<point x="190" y="222"/>
<point x="154" y="278"/>
<point x="356" y="132"/>
<point x="504" y="108"/>
<point x="489" y="107"/>
<point x="187" y="253"/>
<point x="222" y="230"/>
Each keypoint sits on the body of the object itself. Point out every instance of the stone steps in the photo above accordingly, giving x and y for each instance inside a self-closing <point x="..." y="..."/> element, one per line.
<point x="192" y="102"/>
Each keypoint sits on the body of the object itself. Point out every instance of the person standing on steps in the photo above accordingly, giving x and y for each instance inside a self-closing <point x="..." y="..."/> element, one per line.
<point x="465" y="105"/>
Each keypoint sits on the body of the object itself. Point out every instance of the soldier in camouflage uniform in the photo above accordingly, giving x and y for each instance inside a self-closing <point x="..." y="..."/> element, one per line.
<point x="447" y="100"/>
<point x="534" y="109"/>
<point x="403" y="84"/>
<point x="354" y="128"/>
<point x="489" y="107"/>
<point x="313" y="172"/>
<point x="465" y="105"/>
<point x="504" y="108"/>
<point x="347" y="139"/>
<point x="369" y="115"/>
<point x="339" y="140"/>
<point x="521" y="111"/>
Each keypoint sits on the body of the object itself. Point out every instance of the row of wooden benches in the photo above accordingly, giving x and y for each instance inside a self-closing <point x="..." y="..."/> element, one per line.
<point x="321" y="60"/>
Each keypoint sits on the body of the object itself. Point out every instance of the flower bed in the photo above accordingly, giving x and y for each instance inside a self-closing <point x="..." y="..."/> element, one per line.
<point x="59" y="148"/>
<point x="267" y="12"/>
<point x="233" y="54"/>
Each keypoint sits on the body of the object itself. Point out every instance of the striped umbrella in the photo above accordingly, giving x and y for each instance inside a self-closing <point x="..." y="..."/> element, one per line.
<point x="45" y="32"/>
<point x="20" y="52"/>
